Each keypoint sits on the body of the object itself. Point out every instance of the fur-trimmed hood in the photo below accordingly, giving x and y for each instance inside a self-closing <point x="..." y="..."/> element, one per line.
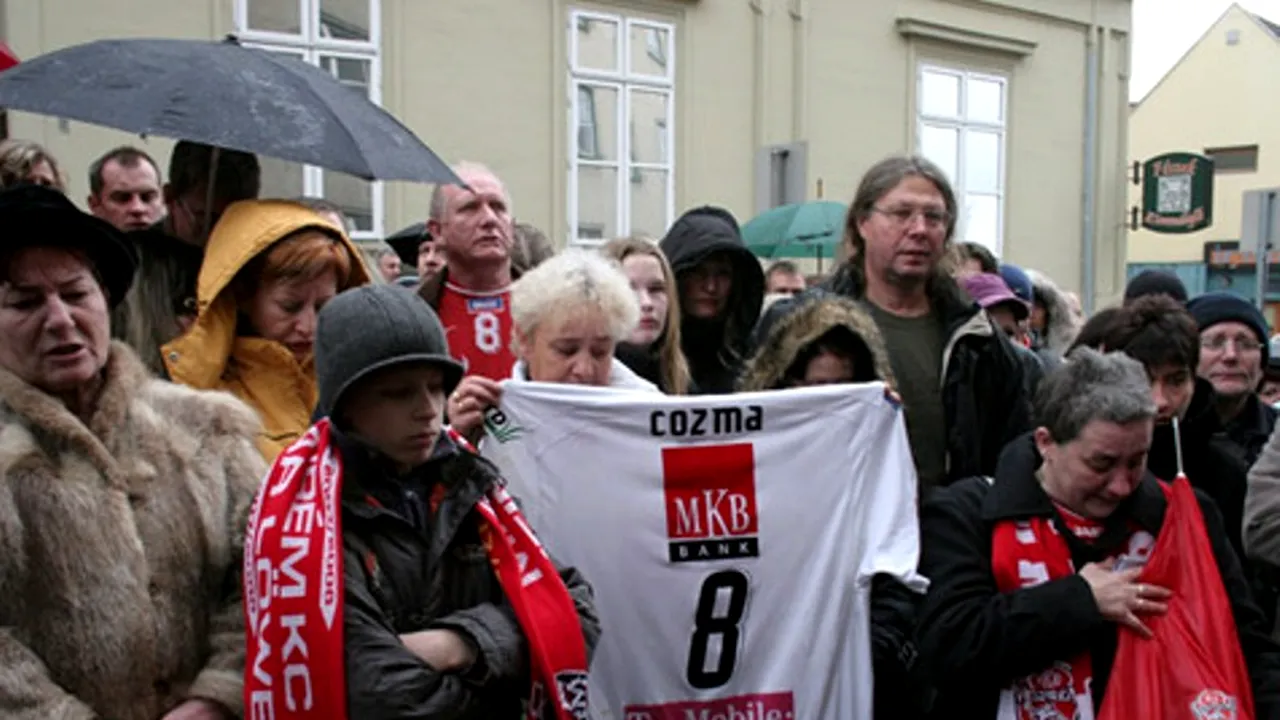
<point x="1061" y="325"/>
<point x="120" y="547"/>
<point x="792" y="325"/>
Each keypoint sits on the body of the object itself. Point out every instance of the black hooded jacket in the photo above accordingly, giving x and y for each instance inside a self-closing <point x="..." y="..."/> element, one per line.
<point x="716" y="348"/>
<point x="985" y="394"/>
<point x="977" y="639"/>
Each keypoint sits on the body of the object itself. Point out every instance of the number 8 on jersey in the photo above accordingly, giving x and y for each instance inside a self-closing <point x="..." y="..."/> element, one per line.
<point x="479" y="330"/>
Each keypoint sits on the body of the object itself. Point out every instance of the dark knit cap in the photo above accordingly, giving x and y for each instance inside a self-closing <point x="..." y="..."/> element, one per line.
<point x="1212" y="308"/>
<point x="374" y="327"/>
<point x="1155" y="282"/>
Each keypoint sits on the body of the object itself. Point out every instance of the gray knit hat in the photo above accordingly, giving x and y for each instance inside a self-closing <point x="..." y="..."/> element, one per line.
<point x="373" y="327"/>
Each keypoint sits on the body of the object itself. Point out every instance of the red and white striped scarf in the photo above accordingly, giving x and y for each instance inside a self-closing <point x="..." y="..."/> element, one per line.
<point x="293" y="599"/>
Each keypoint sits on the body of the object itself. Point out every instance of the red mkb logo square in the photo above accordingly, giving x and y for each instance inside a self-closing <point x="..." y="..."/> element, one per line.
<point x="710" y="493"/>
<point x="765" y="706"/>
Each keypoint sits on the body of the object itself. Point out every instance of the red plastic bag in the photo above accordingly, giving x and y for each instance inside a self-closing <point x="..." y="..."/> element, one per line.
<point x="1193" y="667"/>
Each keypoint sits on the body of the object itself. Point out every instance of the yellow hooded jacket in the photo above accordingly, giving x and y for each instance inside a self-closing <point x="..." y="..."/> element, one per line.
<point x="262" y="373"/>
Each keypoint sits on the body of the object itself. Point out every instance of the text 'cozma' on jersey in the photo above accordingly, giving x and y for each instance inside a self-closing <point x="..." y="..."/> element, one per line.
<point x="730" y="540"/>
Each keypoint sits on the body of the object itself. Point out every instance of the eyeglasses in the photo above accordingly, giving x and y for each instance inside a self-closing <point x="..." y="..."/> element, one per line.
<point x="933" y="219"/>
<point x="1220" y="343"/>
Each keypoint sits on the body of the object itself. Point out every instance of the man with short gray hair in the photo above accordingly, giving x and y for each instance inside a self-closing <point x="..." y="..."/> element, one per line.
<point x="472" y="224"/>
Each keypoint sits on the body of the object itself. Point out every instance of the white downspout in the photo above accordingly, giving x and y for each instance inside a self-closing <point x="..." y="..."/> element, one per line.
<point x="760" y="72"/>
<point x="1088" y="229"/>
<point x="799" y="69"/>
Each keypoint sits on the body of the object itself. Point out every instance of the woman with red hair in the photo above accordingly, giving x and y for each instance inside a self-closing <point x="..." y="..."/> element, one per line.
<point x="269" y="267"/>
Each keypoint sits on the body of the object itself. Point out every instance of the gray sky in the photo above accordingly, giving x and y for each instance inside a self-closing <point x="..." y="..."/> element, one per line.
<point x="1163" y="30"/>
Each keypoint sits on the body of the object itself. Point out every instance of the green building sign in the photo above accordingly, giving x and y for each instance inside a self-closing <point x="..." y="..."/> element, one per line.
<point x="1177" y="193"/>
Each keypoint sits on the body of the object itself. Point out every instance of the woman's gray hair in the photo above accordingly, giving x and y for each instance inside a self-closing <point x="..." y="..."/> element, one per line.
<point x="570" y="282"/>
<point x="1111" y="387"/>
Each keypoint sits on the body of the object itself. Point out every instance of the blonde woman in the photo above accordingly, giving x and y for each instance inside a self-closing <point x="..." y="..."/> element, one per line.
<point x="653" y="348"/>
<point x="22" y="161"/>
<point x="568" y="316"/>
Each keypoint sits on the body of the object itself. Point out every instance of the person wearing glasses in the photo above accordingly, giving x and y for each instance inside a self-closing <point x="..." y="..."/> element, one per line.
<point x="1233" y="355"/>
<point x="962" y="385"/>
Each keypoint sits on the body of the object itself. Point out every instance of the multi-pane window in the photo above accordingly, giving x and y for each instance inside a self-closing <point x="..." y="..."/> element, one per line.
<point x="342" y="37"/>
<point x="961" y="120"/>
<point x="622" y="81"/>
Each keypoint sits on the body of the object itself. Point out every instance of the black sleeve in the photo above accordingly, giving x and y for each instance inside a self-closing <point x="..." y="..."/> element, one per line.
<point x="1017" y="397"/>
<point x="970" y="632"/>
<point x="385" y="681"/>
<point x="900" y="687"/>
<point x="1261" y="654"/>
<point x="1032" y="370"/>
<point x="495" y="632"/>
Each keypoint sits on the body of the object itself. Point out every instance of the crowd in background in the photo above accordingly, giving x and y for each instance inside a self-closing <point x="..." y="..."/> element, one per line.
<point x="125" y="482"/>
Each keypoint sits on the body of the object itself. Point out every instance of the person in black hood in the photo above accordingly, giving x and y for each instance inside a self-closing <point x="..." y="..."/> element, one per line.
<point x="721" y="288"/>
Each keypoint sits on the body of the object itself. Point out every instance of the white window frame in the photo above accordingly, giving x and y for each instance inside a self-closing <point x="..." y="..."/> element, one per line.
<point x="623" y="81"/>
<point x="312" y="44"/>
<point x="961" y="124"/>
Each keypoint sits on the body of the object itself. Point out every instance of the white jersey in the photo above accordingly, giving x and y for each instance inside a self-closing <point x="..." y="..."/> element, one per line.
<point x="730" y="539"/>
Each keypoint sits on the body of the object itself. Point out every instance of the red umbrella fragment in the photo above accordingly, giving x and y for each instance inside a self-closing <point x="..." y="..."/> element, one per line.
<point x="7" y="57"/>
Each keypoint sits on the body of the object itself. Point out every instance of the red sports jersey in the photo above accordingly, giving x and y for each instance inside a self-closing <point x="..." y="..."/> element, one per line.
<point x="478" y="326"/>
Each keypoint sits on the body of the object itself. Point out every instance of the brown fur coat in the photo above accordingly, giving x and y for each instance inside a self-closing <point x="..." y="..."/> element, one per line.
<point x="120" y="548"/>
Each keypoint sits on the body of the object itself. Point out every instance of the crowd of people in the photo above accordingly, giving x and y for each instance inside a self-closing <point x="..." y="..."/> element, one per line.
<point x="183" y="347"/>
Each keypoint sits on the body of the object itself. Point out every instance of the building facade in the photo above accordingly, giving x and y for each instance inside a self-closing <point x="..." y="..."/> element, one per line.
<point x="1215" y="101"/>
<point x="610" y="117"/>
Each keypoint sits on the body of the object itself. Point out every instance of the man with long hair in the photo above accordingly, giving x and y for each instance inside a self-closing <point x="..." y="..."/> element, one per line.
<point x="961" y="383"/>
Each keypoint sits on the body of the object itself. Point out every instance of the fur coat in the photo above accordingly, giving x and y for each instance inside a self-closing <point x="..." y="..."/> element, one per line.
<point x="1062" y="323"/>
<point x="120" y="548"/>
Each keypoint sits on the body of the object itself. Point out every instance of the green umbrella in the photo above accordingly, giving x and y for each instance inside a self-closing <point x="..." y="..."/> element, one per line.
<point x="803" y="230"/>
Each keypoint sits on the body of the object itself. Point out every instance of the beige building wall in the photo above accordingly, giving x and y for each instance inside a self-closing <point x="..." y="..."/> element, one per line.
<point x="33" y="28"/>
<point x="490" y="80"/>
<point x="1219" y="95"/>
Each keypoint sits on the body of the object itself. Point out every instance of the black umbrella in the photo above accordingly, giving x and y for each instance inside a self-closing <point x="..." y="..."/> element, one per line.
<point x="405" y="242"/>
<point x="224" y="95"/>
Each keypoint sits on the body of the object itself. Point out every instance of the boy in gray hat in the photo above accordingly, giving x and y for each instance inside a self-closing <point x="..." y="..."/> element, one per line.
<point x="429" y="624"/>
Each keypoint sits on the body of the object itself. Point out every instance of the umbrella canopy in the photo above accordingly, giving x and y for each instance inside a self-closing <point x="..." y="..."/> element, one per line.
<point x="811" y="230"/>
<point x="224" y="95"/>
